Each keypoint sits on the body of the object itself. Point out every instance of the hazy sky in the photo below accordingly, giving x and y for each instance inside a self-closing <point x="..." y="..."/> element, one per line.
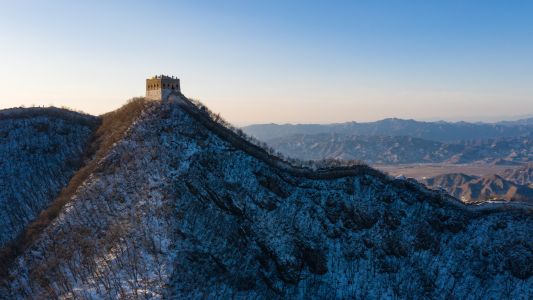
<point x="279" y="61"/>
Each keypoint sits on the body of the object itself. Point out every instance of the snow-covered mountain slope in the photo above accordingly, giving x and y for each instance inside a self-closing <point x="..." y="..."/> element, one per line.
<point x="40" y="149"/>
<point x="180" y="207"/>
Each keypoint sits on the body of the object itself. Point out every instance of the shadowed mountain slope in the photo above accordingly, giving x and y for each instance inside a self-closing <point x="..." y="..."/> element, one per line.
<point x="40" y="149"/>
<point x="111" y="129"/>
<point x="181" y="207"/>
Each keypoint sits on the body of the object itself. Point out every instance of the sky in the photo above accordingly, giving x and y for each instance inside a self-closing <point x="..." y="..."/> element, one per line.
<point x="276" y="61"/>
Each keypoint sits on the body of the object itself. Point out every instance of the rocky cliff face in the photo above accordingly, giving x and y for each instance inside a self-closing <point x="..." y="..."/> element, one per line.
<point x="180" y="207"/>
<point x="40" y="149"/>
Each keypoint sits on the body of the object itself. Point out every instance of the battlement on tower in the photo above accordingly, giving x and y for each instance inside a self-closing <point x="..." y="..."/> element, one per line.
<point x="160" y="87"/>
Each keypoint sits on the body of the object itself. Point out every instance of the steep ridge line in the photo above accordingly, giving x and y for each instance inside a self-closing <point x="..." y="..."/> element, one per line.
<point x="201" y="114"/>
<point x="203" y="117"/>
<point x="62" y="113"/>
<point x="112" y="128"/>
<point x="115" y="124"/>
<point x="176" y="194"/>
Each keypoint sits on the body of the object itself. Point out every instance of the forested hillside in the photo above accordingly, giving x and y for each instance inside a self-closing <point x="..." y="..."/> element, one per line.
<point x="176" y="205"/>
<point x="40" y="149"/>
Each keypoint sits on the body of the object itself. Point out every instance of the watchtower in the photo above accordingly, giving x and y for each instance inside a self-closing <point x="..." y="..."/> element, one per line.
<point x="161" y="86"/>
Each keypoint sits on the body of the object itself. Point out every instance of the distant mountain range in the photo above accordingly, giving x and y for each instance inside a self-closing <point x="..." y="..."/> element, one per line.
<point x="526" y="121"/>
<point x="510" y="185"/>
<point x="434" y="131"/>
<point x="404" y="149"/>
<point x="522" y="175"/>
<point x="397" y="141"/>
<point x="476" y="189"/>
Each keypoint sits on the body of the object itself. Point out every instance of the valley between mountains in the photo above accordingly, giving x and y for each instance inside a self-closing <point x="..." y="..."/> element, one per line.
<point x="164" y="200"/>
<point x="426" y="151"/>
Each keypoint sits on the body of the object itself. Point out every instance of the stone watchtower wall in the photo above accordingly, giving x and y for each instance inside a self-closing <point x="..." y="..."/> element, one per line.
<point x="160" y="87"/>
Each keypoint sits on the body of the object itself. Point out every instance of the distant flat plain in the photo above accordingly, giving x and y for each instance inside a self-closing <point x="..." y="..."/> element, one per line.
<point x="420" y="171"/>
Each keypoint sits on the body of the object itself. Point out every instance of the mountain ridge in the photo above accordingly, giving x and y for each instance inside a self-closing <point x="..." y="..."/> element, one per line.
<point x="522" y="175"/>
<point x="404" y="149"/>
<point x="40" y="150"/>
<point x="434" y="131"/>
<point x="181" y="206"/>
<point x="478" y="189"/>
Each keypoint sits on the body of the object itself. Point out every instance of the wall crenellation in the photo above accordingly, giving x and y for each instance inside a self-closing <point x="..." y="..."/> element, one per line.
<point x="160" y="87"/>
